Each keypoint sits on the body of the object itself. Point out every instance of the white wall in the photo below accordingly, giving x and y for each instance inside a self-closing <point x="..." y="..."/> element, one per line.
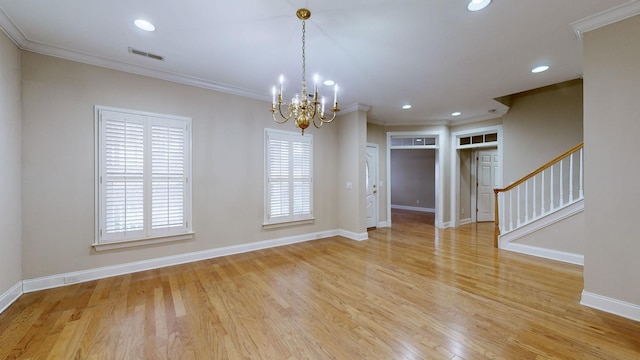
<point x="228" y="164"/>
<point x="612" y="129"/>
<point x="10" y="171"/>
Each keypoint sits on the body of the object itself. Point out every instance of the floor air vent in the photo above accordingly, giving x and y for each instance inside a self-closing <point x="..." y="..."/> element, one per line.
<point x="145" y="54"/>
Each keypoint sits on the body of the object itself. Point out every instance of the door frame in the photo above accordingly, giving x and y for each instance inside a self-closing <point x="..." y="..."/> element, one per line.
<point x="441" y="143"/>
<point x="376" y="148"/>
<point x="455" y="165"/>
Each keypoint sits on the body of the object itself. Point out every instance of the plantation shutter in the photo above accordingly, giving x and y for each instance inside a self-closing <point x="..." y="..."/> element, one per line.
<point x="289" y="177"/>
<point x="168" y="160"/>
<point x="123" y="175"/>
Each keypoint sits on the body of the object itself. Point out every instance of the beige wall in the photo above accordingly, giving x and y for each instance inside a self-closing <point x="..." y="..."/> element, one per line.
<point x="10" y="173"/>
<point x="540" y="125"/>
<point x="228" y="164"/>
<point x="352" y="140"/>
<point x="565" y="236"/>
<point x="612" y="128"/>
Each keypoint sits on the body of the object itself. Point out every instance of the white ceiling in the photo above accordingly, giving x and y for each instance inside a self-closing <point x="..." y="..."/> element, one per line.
<point x="433" y="54"/>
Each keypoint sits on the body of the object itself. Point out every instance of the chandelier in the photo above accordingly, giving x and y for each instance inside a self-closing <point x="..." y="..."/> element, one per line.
<point x="304" y="108"/>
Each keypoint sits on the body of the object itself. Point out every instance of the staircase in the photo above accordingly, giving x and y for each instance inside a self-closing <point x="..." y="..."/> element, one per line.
<point x="547" y="195"/>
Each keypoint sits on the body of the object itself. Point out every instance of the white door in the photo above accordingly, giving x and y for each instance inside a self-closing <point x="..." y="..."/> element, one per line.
<point x="371" y="168"/>
<point x="486" y="182"/>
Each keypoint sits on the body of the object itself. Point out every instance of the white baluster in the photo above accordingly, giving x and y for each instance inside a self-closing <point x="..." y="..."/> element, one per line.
<point x="518" y="207"/>
<point x="510" y="210"/>
<point x="542" y="196"/>
<point x="526" y="201"/>
<point x="534" y="196"/>
<point x="571" y="178"/>
<point x="561" y="181"/>
<point x="551" y="199"/>
<point x="581" y="191"/>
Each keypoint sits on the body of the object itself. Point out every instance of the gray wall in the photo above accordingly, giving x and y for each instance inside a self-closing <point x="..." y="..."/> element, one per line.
<point x="413" y="178"/>
<point x="612" y="129"/>
<point x="228" y="165"/>
<point x="10" y="173"/>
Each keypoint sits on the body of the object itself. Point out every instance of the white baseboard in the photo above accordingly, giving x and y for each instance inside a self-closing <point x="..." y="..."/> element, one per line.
<point x="610" y="305"/>
<point x="53" y="281"/>
<point x="353" y="236"/>
<point x="465" y="221"/>
<point x="10" y="296"/>
<point x="557" y="255"/>
<point x="383" y="224"/>
<point x="413" y="208"/>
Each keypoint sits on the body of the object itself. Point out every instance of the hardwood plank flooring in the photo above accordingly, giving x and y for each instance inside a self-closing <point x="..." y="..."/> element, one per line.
<point x="409" y="292"/>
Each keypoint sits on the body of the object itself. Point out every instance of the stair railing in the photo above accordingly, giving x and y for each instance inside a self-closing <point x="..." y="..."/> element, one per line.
<point x="555" y="185"/>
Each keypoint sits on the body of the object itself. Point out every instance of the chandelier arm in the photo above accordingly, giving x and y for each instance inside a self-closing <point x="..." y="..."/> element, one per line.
<point x="284" y="118"/>
<point x="335" y="113"/>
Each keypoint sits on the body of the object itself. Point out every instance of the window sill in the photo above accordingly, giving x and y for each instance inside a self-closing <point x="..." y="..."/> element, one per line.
<point x="282" y="224"/>
<point x="140" y="242"/>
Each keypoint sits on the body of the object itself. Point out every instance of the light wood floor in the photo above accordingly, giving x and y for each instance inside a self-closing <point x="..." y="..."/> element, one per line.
<point x="411" y="292"/>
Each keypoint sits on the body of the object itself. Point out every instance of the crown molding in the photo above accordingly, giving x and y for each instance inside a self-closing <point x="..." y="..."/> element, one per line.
<point x="606" y="17"/>
<point x="22" y="42"/>
<point x="355" y="107"/>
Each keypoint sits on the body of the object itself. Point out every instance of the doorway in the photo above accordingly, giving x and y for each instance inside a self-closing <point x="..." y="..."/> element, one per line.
<point x="419" y="140"/>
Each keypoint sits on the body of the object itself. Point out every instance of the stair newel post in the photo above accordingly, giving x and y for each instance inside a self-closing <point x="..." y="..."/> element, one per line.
<point x="496" y="231"/>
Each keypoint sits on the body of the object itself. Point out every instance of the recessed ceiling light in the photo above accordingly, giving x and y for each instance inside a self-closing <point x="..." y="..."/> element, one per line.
<point x="457" y="113"/>
<point x="540" y="69"/>
<point x="406" y="107"/>
<point x="475" y="5"/>
<point x="144" y="25"/>
<point x="329" y="82"/>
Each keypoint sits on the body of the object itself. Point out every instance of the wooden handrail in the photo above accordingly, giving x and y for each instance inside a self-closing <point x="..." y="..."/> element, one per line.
<point x="541" y="168"/>
<point x="496" y="232"/>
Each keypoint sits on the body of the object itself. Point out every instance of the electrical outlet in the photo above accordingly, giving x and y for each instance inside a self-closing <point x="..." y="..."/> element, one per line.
<point x="418" y="202"/>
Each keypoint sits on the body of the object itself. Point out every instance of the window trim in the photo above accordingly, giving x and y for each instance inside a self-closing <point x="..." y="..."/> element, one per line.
<point x="149" y="237"/>
<point x="290" y="220"/>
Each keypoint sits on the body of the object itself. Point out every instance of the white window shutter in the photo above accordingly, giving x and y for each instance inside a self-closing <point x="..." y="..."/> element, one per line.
<point x="289" y="165"/>
<point x="123" y="174"/>
<point x="168" y="165"/>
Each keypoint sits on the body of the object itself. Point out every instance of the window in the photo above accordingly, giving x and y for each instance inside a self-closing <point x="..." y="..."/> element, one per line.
<point x="143" y="175"/>
<point x="288" y="177"/>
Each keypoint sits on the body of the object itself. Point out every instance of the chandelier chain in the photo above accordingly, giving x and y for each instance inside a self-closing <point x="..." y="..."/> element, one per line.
<point x="304" y="70"/>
